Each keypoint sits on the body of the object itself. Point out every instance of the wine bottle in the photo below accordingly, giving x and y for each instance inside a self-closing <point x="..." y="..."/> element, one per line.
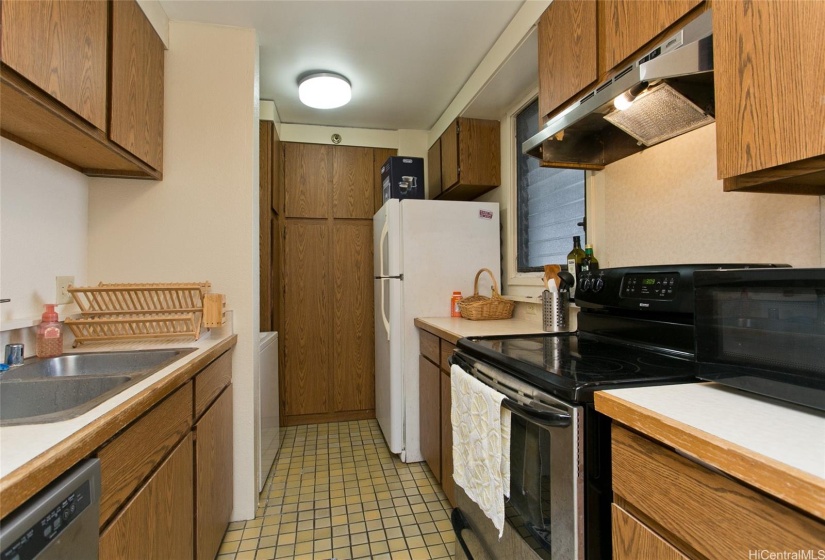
<point x="590" y="263"/>
<point x="574" y="263"/>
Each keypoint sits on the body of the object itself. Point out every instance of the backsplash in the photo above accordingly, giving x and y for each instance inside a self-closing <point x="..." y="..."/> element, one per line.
<point x="43" y="231"/>
<point x="665" y="205"/>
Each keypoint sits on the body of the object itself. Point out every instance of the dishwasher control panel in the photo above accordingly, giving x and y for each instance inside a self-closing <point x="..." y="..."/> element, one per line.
<point x="50" y="526"/>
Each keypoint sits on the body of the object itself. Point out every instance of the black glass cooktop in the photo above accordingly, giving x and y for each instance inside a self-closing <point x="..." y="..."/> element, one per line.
<point x="573" y="366"/>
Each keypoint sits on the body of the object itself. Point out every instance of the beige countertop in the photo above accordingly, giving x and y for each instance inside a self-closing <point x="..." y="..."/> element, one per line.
<point x="32" y="455"/>
<point x="453" y="328"/>
<point x="776" y="447"/>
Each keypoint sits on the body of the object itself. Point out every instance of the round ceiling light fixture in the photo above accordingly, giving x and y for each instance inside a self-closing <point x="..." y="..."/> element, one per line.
<point x="324" y="90"/>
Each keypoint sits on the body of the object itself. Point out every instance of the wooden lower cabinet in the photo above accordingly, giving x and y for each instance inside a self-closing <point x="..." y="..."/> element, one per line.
<point x="429" y="414"/>
<point x="157" y="522"/>
<point x="213" y="476"/>
<point x="434" y="400"/>
<point x="668" y="506"/>
<point x="634" y="541"/>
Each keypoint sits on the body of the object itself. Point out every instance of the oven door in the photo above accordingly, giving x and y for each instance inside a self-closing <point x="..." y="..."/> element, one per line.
<point x="545" y="511"/>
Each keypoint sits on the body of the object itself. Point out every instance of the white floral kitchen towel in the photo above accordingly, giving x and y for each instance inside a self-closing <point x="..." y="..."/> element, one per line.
<point x="481" y="444"/>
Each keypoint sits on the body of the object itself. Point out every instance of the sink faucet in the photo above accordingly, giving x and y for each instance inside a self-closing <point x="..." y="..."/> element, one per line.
<point x="14" y="355"/>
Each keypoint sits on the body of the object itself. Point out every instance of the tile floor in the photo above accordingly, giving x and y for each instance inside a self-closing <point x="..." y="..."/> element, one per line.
<point x="336" y="492"/>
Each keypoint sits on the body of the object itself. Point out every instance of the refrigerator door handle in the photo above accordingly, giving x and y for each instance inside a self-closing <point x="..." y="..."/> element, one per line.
<point x="384" y="317"/>
<point x="384" y="232"/>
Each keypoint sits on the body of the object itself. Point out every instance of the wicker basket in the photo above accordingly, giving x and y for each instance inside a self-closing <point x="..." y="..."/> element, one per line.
<point x="483" y="308"/>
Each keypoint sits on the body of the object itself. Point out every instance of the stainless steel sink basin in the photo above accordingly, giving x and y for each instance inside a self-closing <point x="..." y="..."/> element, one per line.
<point x="55" y="389"/>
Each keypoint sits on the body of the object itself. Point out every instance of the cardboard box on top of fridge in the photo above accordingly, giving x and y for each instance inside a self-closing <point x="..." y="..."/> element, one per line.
<point x="403" y="177"/>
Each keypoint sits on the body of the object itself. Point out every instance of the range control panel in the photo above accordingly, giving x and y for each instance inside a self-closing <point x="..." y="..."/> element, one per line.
<point x="659" y="286"/>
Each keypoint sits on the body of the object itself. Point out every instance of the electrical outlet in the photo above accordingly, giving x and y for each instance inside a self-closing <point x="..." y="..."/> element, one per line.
<point x="532" y="309"/>
<point x="63" y="295"/>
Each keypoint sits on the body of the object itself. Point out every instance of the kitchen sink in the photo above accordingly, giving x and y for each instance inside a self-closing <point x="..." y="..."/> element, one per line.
<point x="55" y="389"/>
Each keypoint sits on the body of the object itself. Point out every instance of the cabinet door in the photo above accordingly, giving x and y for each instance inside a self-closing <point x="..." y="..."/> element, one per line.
<point x="62" y="48"/>
<point x="769" y="85"/>
<point x="447" y="483"/>
<point x="479" y="152"/>
<point x="567" y="52"/>
<point x="157" y="522"/>
<point x="352" y="195"/>
<point x="137" y="84"/>
<point x="307" y="180"/>
<point x="634" y="541"/>
<point x="627" y="25"/>
<point x="429" y="414"/>
<point x="307" y="313"/>
<point x="213" y="476"/>
<point x="379" y="158"/>
<point x="354" y="342"/>
<point x="265" y="205"/>
<point x="449" y="156"/>
<point x="434" y="170"/>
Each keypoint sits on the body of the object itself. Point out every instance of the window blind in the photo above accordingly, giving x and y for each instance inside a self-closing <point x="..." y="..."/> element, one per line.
<point x="551" y="203"/>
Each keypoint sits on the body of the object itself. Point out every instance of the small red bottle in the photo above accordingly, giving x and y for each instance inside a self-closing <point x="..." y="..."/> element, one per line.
<point x="454" y="311"/>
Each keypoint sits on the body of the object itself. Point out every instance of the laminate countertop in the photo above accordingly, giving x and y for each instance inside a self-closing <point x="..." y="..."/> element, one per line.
<point x="453" y="328"/>
<point x="776" y="447"/>
<point x="32" y="455"/>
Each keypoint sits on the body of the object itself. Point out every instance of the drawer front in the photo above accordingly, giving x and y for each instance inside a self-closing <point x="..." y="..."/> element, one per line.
<point x="446" y="352"/>
<point x="210" y="382"/>
<point x="429" y="346"/>
<point x="127" y="460"/>
<point x="710" y="513"/>
<point x="633" y="540"/>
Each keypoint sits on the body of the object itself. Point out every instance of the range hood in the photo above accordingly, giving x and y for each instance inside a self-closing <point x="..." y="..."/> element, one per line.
<point x="667" y="92"/>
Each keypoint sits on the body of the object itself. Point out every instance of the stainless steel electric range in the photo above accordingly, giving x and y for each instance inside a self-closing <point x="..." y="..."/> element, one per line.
<point x="636" y="328"/>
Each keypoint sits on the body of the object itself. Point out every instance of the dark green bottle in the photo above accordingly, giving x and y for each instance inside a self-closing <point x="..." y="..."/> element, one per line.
<point x="574" y="263"/>
<point x="590" y="263"/>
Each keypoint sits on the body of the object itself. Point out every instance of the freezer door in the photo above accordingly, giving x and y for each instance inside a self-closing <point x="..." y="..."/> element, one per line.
<point x="386" y="235"/>
<point x="389" y="386"/>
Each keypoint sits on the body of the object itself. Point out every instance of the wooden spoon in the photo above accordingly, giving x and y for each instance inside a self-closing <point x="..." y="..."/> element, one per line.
<point x="551" y="272"/>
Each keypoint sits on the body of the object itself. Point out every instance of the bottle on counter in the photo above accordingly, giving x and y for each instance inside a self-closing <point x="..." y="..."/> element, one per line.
<point x="454" y="311"/>
<point x="574" y="263"/>
<point x="49" y="342"/>
<point x="590" y="262"/>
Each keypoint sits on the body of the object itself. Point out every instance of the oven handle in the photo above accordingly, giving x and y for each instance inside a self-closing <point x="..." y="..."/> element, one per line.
<point x="540" y="417"/>
<point x="459" y="524"/>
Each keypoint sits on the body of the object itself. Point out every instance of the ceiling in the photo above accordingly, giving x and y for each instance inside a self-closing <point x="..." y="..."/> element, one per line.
<point x="406" y="59"/>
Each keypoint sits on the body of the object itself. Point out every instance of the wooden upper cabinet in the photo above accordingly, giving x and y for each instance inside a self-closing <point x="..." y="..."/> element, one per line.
<point x="470" y="159"/>
<point x="307" y="180"/>
<point x="434" y="170"/>
<point x="567" y="52"/>
<point x="449" y="156"/>
<point x="137" y="84"/>
<point x="627" y="25"/>
<point x="352" y="182"/>
<point x="62" y="48"/>
<point x="770" y="95"/>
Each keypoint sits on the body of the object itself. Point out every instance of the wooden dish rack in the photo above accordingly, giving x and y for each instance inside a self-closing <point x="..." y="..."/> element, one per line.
<point x="111" y="312"/>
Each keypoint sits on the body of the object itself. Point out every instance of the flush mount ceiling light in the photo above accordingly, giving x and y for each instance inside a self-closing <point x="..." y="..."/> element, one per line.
<point x="324" y="90"/>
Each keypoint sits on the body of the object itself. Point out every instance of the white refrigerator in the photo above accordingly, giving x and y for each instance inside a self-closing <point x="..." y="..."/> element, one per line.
<point x="424" y="250"/>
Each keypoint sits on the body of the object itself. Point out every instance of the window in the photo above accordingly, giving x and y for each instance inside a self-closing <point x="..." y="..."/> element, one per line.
<point x="550" y="203"/>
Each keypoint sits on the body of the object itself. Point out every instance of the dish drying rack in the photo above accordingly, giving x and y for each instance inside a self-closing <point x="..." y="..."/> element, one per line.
<point x="111" y="312"/>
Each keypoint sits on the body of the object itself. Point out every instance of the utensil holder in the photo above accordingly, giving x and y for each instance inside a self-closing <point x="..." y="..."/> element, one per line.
<point x="555" y="311"/>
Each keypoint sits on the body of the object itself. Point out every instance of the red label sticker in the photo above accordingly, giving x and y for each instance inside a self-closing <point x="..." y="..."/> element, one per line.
<point x="485" y="214"/>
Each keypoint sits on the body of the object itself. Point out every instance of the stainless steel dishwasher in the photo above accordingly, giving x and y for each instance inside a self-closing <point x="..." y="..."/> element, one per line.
<point x="60" y="522"/>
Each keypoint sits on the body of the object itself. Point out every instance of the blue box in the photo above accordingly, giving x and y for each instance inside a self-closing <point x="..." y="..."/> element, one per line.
<point x="403" y="177"/>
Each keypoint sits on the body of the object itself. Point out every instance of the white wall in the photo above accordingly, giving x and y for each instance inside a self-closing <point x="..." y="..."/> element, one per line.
<point x="201" y="221"/>
<point x="43" y="217"/>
